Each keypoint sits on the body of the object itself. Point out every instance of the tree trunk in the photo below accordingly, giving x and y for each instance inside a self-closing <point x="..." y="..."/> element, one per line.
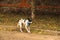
<point x="32" y="14"/>
<point x="32" y="10"/>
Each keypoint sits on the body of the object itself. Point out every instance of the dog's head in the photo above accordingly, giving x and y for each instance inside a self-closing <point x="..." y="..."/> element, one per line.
<point x="30" y="20"/>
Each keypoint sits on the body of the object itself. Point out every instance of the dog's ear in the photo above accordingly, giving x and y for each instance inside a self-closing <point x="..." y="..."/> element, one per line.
<point x="30" y="20"/>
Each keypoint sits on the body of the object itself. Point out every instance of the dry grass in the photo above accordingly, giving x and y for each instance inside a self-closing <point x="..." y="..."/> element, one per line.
<point x="44" y="22"/>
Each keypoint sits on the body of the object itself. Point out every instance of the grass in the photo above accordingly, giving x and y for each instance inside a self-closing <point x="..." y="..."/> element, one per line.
<point x="44" y="22"/>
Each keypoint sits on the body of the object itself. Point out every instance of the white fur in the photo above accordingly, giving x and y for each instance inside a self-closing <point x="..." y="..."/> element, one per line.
<point x="25" y="23"/>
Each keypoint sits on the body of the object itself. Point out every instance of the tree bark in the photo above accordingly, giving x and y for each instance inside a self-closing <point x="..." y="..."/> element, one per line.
<point x="32" y="10"/>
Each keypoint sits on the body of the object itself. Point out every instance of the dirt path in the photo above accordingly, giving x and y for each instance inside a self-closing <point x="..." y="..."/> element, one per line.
<point x="6" y="35"/>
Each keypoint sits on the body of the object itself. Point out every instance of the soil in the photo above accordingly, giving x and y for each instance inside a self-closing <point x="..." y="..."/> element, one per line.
<point x="14" y="35"/>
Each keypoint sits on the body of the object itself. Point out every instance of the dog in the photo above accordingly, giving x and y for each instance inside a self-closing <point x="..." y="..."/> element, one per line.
<point x="26" y="23"/>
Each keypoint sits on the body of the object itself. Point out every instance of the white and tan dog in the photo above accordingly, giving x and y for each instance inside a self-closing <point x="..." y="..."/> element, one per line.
<point x="26" y="23"/>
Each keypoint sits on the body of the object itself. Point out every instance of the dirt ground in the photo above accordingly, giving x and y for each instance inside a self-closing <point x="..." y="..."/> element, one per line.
<point x="14" y="35"/>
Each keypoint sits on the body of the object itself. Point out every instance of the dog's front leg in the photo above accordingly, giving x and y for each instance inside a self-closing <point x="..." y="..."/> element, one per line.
<point x="27" y="28"/>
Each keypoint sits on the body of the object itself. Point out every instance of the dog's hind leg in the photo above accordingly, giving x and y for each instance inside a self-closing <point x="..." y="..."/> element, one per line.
<point x="21" y="27"/>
